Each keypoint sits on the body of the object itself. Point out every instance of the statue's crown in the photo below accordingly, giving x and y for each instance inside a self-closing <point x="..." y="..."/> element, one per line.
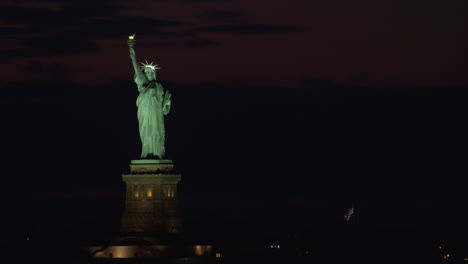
<point x="149" y="65"/>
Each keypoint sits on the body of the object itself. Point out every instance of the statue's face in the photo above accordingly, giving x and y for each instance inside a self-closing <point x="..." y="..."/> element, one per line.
<point x="150" y="74"/>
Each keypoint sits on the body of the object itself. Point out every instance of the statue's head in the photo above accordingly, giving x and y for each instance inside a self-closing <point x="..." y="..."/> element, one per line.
<point x="150" y="73"/>
<point x="149" y="69"/>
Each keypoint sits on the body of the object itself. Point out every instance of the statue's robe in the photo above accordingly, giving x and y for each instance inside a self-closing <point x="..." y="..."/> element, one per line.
<point x="152" y="107"/>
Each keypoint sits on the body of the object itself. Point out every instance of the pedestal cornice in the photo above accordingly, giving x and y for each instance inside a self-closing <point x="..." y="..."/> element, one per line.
<point x="152" y="177"/>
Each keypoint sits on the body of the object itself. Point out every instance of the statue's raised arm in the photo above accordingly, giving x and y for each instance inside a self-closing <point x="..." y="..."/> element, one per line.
<point x="131" y="42"/>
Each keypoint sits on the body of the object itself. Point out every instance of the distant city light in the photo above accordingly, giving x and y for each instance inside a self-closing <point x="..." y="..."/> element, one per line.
<point x="218" y="255"/>
<point x="201" y="250"/>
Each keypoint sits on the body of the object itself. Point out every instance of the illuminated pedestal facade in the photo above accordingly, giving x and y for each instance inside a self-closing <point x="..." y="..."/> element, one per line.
<point x="151" y="222"/>
<point x="151" y="198"/>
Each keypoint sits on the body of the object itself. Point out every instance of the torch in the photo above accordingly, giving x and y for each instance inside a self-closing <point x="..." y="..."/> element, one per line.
<point x="131" y="40"/>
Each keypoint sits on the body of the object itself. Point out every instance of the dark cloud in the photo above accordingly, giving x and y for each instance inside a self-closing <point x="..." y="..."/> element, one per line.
<point x="49" y="68"/>
<point x="252" y="29"/>
<point x="73" y="27"/>
<point x="200" y="43"/>
<point x="79" y="18"/>
<point x="91" y="8"/>
<point x="61" y="44"/>
<point x="23" y="15"/>
<point x="183" y="44"/>
<point x="116" y="27"/>
<point x="14" y="31"/>
<point x="80" y="37"/>
<point x="222" y="14"/>
<point x="56" y="16"/>
<point x="84" y="18"/>
<point x="50" y="32"/>
<point x="55" y="45"/>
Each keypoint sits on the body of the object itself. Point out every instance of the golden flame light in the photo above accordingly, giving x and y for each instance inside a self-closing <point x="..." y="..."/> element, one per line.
<point x="149" y="192"/>
<point x="136" y="191"/>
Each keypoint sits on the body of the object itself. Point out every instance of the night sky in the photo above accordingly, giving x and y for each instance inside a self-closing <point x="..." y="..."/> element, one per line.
<point x="283" y="115"/>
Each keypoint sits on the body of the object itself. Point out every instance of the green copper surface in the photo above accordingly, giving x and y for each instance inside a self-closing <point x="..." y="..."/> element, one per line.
<point x="151" y="161"/>
<point x="153" y="103"/>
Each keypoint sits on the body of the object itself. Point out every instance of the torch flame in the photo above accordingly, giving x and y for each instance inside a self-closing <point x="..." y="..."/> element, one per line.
<point x="132" y="36"/>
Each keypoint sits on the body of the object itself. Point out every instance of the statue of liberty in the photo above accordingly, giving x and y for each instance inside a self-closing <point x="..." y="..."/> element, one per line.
<point x="153" y="103"/>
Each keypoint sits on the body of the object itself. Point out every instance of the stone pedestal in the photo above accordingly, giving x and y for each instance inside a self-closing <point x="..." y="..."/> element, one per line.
<point x="151" y="198"/>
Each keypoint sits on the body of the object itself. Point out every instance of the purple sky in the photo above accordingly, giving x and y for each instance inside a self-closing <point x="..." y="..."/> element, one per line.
<point x="394" y="43"/>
